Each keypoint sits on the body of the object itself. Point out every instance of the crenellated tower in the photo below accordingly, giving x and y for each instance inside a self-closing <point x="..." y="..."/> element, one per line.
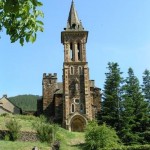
<point x="49" y="85"/>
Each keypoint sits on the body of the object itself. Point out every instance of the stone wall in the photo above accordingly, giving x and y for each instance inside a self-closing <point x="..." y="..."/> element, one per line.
<point x="24" y="136"/>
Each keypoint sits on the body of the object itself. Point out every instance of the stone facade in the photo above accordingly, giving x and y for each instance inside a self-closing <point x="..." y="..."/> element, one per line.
<point x="76" y="100"/>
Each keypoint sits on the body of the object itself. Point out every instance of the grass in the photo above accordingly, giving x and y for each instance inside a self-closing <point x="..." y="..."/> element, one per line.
<point x="25" y="121"/>
<point x="7" y="145"/>
<point x="68" y="140"/>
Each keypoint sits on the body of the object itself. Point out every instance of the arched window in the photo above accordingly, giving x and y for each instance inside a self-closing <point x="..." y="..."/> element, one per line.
<point x="71" y="51"/>
<point x="79" y="51"/>
<point x="80" y="70"/>
<point x="71" y="70"/>
<point x="73" y="26"/>
<point x="81" y="108"/>
<point x="72" y="108"/>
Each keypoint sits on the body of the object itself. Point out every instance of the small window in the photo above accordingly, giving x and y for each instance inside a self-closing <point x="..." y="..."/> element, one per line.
<point x="71" y="51"/>
<point x="81" y="107"/>
<point x="72" y="108"/>
<point x="71" y="70"/>
<point x="80" y="71"/>
<point x="74" y="26"/>
<point x="79" y="52"/>
<point x="77" y="101"/>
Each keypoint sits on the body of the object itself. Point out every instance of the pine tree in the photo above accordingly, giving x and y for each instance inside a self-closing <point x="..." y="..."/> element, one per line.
<point x="146" y="91"/>
<point x="146" y="85"/>
<point x="111" y="104"/>
<point x="135" y="111"/>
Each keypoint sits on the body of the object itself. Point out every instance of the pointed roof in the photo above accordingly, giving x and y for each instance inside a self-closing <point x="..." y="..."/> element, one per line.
<point x="73" y="21"/>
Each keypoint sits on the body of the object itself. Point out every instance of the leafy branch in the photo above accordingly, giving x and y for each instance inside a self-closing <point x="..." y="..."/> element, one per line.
<point x="20" y="18"/>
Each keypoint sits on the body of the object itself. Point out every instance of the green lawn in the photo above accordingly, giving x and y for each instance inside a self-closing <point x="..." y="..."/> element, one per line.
<point x="7" y="145"/>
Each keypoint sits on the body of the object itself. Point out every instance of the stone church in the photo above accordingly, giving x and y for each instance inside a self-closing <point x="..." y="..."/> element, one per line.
<point x="76" y="100"/>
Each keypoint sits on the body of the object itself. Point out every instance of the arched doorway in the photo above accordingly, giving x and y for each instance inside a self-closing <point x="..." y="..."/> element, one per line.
<point x="78" y="123"/>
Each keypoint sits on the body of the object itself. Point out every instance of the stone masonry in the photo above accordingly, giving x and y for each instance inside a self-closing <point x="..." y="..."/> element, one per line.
<point x="76" y="100"/>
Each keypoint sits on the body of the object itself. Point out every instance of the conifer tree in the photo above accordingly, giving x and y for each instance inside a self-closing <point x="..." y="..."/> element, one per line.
<point x="111" y="96"/>
<point x="146" y="92"/>
<point x="146" y="85"/>
<point x="135" y="111"/>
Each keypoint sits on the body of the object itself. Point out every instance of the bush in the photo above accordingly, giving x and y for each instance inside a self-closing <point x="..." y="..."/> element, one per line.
<point x="6" y="138"/>
<point x="97" y="137"/>
<point x="4" y="115"/>
<point x="46" y="132"/>
<point x="136" y="147"/>
<point x="14" y="129"/>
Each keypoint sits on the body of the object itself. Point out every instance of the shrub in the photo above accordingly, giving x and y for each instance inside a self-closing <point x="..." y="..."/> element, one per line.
<point x="14" y="129"/>
<point x="97" y="137"/>
<point x="135" y="147"/>
<point x="46" y="132"/>
<point x="6" y="138"/>
<point x="4" y="115"/>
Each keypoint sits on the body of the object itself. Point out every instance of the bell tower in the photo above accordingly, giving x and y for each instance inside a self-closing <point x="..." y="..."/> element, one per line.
<point x="77" y="105"/>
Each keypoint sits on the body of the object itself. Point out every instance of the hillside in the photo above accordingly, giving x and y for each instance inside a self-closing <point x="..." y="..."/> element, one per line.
<point x="68" y="140"/>
<point x="25" y="102"/>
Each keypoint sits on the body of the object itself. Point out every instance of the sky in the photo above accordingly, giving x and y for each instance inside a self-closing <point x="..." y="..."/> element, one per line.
<point x="119" y="31"/>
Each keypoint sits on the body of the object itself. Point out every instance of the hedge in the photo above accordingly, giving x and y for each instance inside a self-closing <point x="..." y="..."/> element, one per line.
<point x="137" y="147"/>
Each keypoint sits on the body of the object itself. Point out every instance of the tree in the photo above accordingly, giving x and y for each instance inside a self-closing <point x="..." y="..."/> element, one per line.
<point x="112" y="103"/>
<point x="135" y="111"/>
<point x="146" y="91"/>
<point x="97" y="137"/>
<point x="146" y="85"/>
<point x="20" y="19"/>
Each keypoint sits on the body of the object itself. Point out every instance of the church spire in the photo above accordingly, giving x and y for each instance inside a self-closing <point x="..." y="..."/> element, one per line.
<point x="73" y="21"/>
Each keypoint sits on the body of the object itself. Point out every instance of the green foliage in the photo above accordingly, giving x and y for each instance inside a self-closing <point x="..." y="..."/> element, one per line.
<point x="25" y="102"/>
<point x="6" y="138"/>
<point x="46" y="132"/>
<point x="68" y="140"/>
<point x="20" y="19"/>
<point x="146" y="85"/>
<point x="20" y="145"/>
<point x="4" y="114"/>
<point x="97" y="137"/>
<point x="14" y="129"/>
<point x="135" y="147"/>
<point x="135" y="116"/>
<point x="111" y="105"/>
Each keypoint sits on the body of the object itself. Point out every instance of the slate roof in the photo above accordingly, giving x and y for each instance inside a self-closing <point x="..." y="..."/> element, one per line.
<point x="59" y="88"/>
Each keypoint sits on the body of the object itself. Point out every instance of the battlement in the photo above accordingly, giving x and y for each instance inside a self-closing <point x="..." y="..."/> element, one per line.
<point x="50" y="76"/>
<point x="92" y="83"/>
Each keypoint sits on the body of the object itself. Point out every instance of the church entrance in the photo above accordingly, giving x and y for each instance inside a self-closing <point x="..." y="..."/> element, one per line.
<point x="78" y="124"/>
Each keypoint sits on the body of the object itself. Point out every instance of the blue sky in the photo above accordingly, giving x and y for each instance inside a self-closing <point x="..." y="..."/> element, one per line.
<point x="119" y="31"/>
